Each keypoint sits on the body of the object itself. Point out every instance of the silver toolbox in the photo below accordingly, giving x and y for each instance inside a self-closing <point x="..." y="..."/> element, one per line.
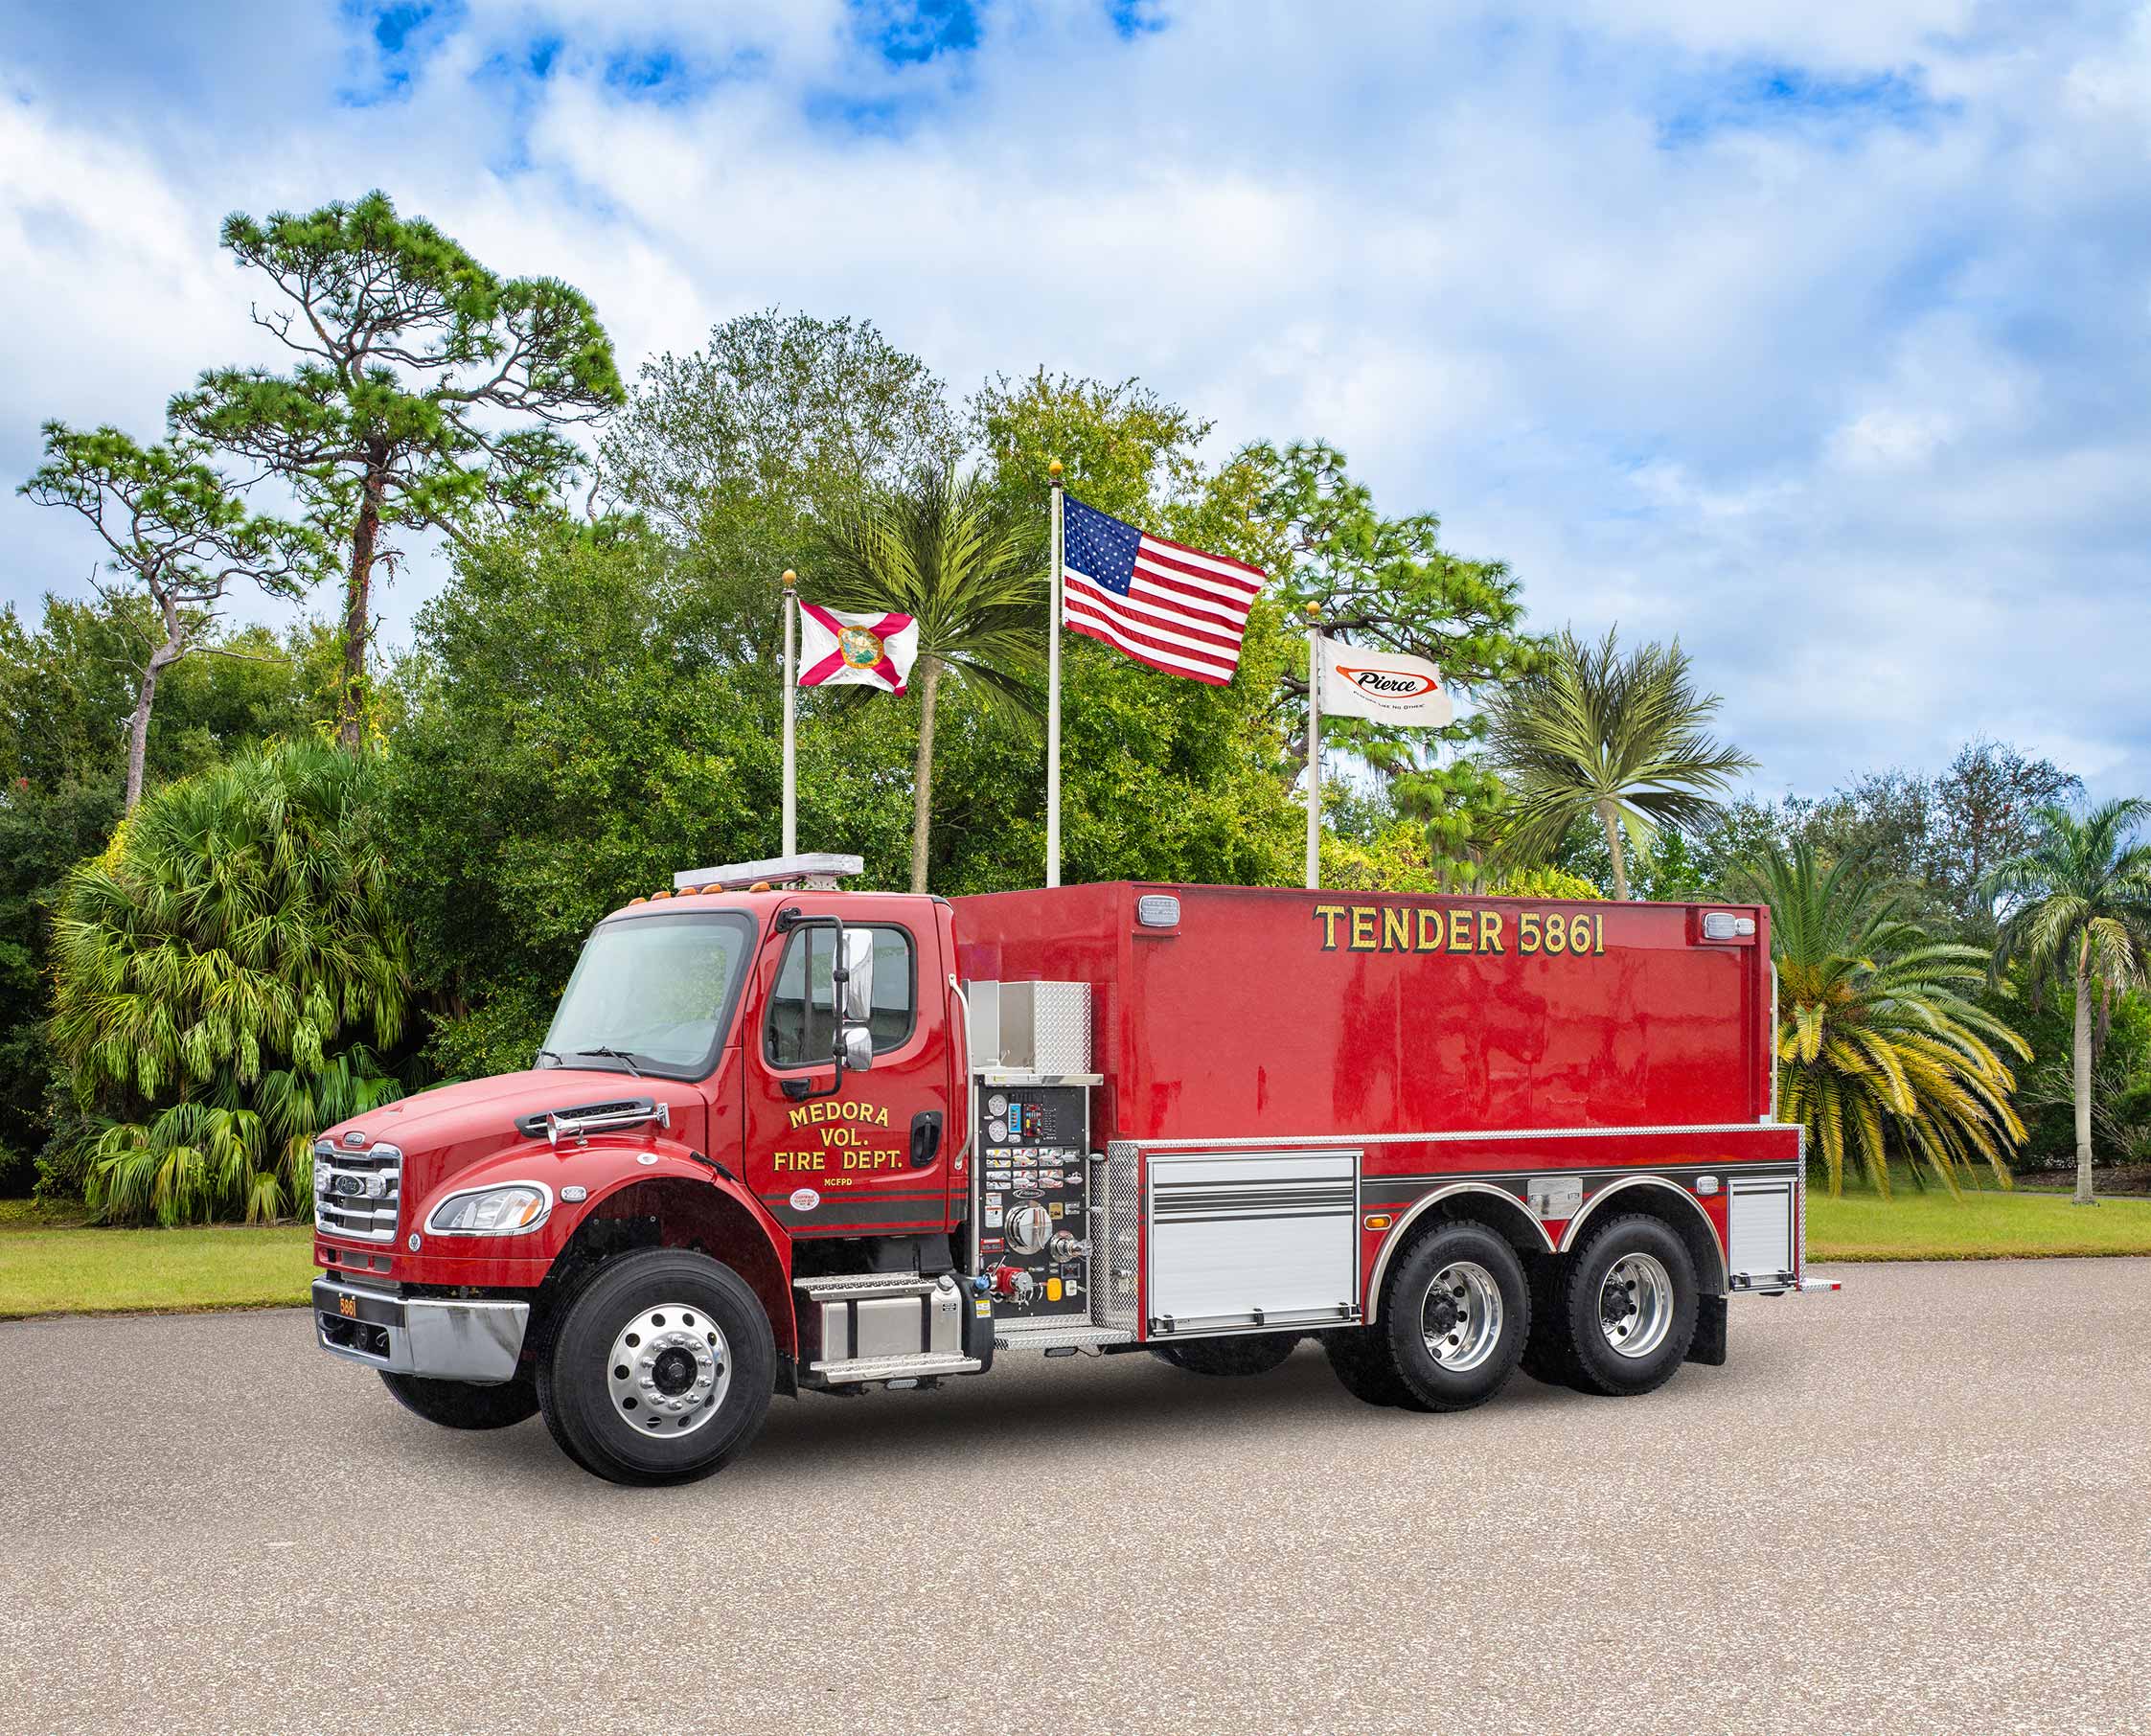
<point x="1027" y="1027"/>
<point x="875" y="1314"/>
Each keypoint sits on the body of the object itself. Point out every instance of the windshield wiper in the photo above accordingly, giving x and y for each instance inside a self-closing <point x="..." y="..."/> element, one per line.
<point x="548" y="1055"/>
<point x="616" y="1055"/>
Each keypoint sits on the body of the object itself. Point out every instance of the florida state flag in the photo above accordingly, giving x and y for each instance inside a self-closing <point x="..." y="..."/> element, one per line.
<point x="838" y="648"/>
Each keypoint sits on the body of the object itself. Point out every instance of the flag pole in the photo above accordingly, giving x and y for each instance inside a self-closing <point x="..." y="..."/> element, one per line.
<point x="1053" y="696"/>
<point x="1314" y="745"/>
<point x="791" y="703"/>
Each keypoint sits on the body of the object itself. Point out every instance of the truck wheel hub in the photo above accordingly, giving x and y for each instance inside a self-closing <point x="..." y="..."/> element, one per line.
<point x="1635" y="1305"/>
<point x="669" y="1370"/>
<point x="1460" y="1317"/>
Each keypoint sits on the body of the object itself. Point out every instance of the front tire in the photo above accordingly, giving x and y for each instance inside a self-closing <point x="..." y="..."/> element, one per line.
<point x="461" y="1405"/>
<point x="1253" y="1355"/>
<point x="1629" y="1301"/>
<point x="660" y="1371"/>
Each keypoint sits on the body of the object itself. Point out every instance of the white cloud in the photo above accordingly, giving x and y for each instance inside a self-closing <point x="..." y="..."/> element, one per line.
<point x="1814" y="334"/>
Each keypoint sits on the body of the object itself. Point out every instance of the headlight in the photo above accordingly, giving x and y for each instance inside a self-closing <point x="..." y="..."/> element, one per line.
<point x="321" y="1167"/>
<point x="508" y="1210"/>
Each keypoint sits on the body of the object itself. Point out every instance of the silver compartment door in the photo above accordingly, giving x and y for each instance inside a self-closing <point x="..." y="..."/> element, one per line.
<point x="1762" y="1218"/>
<point x="1252" y="1242"/>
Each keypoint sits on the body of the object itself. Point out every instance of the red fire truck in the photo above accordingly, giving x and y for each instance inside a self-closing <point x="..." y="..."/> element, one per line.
<point x="784" y="1138"/>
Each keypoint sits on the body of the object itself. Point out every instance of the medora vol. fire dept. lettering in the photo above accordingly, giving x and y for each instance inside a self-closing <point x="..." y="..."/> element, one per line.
<point x="844" y="1133"/>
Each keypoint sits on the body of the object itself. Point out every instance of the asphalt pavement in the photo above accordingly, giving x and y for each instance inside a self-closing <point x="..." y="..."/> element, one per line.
<point x="1921" y="1505"/>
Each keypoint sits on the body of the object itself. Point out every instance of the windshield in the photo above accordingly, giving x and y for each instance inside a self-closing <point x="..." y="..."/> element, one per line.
<point x="657" y="990"/>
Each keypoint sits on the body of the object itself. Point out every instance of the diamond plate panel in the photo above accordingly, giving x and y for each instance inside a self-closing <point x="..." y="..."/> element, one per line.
<point x="1060" y="1028"/>
<point x="1115" y="1248"/>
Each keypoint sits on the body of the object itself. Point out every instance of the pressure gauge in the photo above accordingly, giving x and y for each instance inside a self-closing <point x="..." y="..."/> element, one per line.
<point x="997" y="1104"/>
<point x="997" y="1132"/>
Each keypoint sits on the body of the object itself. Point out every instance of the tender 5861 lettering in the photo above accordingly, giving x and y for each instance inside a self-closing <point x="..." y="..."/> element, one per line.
<point x="1554" y="932"/>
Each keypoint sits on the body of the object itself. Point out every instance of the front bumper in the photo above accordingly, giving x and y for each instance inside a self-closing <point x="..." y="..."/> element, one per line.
<point x="438" y="1337"/>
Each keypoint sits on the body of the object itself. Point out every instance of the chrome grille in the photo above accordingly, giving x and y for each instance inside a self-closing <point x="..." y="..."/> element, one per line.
<point x="357" y="1194"/>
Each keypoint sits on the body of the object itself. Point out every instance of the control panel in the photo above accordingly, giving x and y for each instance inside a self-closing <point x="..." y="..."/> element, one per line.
<point x="1033" y="1144"/>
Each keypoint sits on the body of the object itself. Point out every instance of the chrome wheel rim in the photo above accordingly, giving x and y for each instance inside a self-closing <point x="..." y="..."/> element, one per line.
<point x="1635" y="1305"/>
<point x="1461" y="1316"/>
<point x="669" y="1370"/>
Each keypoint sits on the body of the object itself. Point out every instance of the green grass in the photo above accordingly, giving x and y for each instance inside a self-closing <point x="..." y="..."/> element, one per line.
<point x="51" y="1264"/>
<point x="49" y="1270"/>
<point x="1986" y="1224"/>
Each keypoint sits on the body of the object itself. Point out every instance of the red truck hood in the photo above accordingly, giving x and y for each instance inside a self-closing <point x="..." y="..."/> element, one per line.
<point x="444" y="1131"/>
<point x="451" y="1115"/>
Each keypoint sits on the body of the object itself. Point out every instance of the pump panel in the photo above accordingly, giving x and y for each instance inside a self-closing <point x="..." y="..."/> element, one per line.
<point x="1034" y="1142"/>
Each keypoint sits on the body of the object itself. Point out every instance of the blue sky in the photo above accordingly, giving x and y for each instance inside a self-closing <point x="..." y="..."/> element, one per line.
<point x="1819" y="336"/>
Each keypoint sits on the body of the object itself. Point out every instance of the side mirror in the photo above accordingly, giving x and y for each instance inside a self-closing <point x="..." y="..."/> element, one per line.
<point x="855" y="1048"/>
<point x="858" y="978"/>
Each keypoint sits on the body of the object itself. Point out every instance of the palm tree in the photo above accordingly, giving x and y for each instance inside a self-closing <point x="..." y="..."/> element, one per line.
<point x="214" y="969"/>
<point x="944" y="551"/>
<point x="2079" y="908"/>
<point x="1877" y="1035"/>
<point x="1622" y="737"/>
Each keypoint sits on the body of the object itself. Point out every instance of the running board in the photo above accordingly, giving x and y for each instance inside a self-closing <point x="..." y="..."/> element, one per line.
<point x="919" y="1366"/>
<point x="887" y="1326"/>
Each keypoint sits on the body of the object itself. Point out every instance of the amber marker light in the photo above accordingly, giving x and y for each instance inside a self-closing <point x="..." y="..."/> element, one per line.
<point x="1378" y="1221"/>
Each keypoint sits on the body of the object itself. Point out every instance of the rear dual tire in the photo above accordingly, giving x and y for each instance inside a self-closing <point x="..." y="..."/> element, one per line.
<point x="1623" y="1310"/>
<point x="1451" y="1323"/>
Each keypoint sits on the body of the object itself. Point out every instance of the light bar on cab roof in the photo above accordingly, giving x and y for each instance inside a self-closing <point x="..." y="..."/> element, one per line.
<point x="817" y="871"/>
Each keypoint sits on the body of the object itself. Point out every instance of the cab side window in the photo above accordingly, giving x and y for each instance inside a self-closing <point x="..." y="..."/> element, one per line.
<point x="801" y="1031"/>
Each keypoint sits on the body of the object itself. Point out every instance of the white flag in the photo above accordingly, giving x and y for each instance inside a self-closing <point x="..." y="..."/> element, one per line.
<point x="1382" y="686"/>
<point x="841" y="648"/>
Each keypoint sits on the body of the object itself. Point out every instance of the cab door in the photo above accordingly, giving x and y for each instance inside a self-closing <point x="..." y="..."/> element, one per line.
<point x="870" y="1156"/>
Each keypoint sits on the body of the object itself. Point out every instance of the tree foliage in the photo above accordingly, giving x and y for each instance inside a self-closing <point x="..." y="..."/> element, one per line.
<point x="2078" y="907"/>
<point x="426" y="388"/>
<point x="226" y="975"/>
<point x="1881" y="1047"/>
<point x="172" y="526"/>
<point x="1622" y="739"/>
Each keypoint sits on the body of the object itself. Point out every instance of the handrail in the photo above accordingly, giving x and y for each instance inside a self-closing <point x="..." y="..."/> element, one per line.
<point x="963" y="1001"/>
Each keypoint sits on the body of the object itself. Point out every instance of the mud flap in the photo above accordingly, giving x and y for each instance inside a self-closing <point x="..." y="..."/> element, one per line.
<point x="1709" y="1346"/>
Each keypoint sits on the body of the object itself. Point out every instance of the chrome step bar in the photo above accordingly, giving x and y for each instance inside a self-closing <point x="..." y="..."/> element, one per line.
<point x="917" y="1366"/>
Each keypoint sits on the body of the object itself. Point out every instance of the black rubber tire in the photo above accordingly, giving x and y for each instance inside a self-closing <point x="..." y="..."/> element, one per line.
<point x="1549" y="1356"/>
<point x="572" y="1390"/>
<point x="1595" y="1365"/>
<point x="1362" y="1364"/>
<point x="1255" y="1354"/>
<point x="1427" y="1384"/>
<point x="459" y="1405"/>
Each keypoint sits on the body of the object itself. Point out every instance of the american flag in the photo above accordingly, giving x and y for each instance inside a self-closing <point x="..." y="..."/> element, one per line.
<point x="1164" y="603"/>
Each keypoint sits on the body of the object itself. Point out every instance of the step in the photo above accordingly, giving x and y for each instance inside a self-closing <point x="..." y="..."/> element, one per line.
<point x="1055" y="1335"/>
<point x="848" y="1287"/>
<point x="919" y="1365"/>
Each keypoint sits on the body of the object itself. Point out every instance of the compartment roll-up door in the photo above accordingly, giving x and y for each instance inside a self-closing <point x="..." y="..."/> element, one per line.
<point x="1253" y="1241"/>
<point x="1764" y="1219"/>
